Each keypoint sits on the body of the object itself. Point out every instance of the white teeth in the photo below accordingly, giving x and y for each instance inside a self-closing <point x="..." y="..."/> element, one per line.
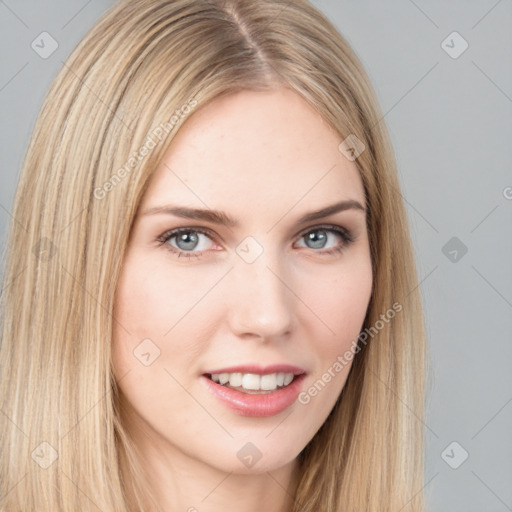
<point x="252" y="381"/>
<point x="268" y="382"/>
<point x="235" y="380"/>
<point x="288" y="377"/>
<point x="223" y="377"/>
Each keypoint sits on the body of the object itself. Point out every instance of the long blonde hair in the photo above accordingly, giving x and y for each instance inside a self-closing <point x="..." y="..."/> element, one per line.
<point x="108" y="118"/>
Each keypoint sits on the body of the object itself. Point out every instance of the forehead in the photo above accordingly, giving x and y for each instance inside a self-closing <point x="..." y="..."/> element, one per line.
<point x="251" y="151"/>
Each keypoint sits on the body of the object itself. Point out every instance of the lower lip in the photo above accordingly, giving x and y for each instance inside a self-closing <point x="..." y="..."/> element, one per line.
<point x="268" y="404"/>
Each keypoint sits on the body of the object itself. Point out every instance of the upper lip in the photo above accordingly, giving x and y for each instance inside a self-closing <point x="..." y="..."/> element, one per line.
<point x="259" y="370"/>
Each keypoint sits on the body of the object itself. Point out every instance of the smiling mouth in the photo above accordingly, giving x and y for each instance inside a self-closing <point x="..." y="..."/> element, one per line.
<point x="253" y="384"/>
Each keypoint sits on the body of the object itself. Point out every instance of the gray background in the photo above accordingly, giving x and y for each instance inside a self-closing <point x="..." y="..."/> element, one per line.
<point x="450" y="123"/>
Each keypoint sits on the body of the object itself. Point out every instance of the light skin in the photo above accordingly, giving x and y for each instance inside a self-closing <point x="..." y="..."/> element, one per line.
<point x="266" y="159"/>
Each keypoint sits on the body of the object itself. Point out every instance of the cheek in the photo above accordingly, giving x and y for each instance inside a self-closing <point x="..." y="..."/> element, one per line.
<point x="150" y="299"/>
<point x="340" y="303"/>
<point x="141" y="318"/>
<point x="148" y="362"/>
<point x="155" y="317"/>
<point x="339" y="308"/>
<point x="141" y="299"/>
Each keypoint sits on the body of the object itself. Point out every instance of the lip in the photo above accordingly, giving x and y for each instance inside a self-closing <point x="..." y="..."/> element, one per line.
<point x="256" y="405"/>
<point x="259" y="370"/>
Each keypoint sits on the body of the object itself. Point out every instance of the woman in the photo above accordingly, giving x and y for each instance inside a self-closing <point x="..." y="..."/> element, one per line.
<point x="183" y="327"/>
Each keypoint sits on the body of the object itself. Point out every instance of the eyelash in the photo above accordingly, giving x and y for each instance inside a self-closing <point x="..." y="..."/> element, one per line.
<point x="168" y="235"/>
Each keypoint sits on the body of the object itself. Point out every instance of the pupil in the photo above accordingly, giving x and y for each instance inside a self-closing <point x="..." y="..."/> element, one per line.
<point x="186" y="237"/>
<point x="321" y="238"/>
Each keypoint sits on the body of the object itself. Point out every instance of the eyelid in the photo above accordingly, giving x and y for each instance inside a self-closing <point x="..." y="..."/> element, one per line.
<point x="335" y="227"/>
<point x="213" y="235"/>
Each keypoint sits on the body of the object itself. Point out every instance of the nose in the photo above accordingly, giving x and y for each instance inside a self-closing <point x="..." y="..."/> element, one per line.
<point x="261" y="301"/>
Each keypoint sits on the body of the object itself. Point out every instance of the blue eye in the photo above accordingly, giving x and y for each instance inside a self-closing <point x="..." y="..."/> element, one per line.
<point x="187" y="240"/>
<point x="312" y="236"/>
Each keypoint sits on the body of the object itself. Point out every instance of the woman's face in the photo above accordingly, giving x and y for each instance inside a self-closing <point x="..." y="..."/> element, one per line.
<point x="266" y="295"/>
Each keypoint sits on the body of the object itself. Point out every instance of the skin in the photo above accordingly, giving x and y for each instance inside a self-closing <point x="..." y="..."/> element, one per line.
<point x="265" y="159"/>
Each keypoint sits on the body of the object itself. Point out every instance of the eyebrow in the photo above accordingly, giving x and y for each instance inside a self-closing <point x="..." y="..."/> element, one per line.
<point x="222" y="218"/>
